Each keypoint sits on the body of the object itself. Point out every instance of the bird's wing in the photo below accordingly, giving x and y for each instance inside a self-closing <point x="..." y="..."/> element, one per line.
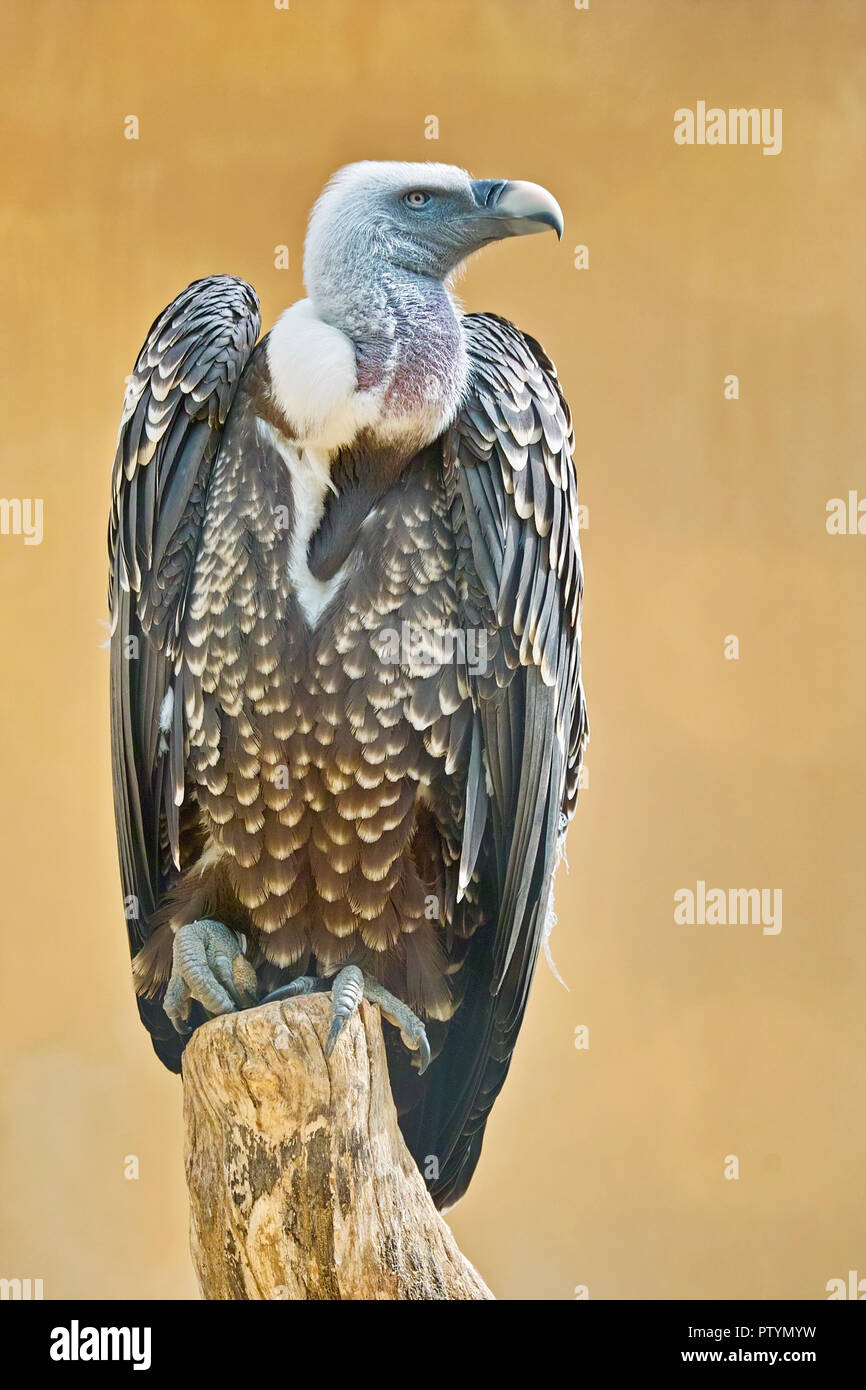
<point x="508" y="463"/>
<point x="176" y="404"/>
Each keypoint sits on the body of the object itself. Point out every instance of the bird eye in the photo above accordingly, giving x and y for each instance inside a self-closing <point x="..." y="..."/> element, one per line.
<point x="417" y="198"/>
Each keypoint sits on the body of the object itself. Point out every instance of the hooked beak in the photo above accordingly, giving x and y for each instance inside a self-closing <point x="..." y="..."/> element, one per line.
<point x="517" y="208"/>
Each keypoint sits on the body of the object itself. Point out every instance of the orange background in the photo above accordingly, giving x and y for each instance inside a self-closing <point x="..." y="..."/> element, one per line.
<point x="603" y="1167"/>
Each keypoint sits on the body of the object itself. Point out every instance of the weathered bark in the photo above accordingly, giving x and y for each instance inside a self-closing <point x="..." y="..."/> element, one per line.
<point x="300" y="1184"/>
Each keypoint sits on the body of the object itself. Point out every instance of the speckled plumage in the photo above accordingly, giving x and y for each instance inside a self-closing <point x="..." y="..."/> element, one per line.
<point x="295" y="774"/>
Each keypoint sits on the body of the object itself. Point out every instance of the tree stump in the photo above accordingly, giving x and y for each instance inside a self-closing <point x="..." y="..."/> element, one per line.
<point x="300" y="1184"/>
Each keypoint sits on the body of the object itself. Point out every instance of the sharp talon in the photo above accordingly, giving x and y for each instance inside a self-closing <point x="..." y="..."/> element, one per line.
<point x="305" y="984"/>
<point x="423" y="1053"/>
<point x="222" y="968"/>
<point x="337" y="1025"/>
<point x="347" y="991"/>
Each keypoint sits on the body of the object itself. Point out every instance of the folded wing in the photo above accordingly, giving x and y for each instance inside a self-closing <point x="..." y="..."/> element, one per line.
<point x="509" y="468"/>
<point x="176" y="404"/>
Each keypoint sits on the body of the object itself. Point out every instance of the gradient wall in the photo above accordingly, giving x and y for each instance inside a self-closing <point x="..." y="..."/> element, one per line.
<point x="607" y="1166"/>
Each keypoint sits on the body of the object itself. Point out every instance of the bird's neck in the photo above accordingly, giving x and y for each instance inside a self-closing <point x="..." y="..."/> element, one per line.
<point x="409" y="348"/>
<point x="381" y="354"/>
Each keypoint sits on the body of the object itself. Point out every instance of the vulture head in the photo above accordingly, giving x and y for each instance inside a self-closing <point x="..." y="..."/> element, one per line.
<point x="378" y="347"/>
<point x="421" y="218"/>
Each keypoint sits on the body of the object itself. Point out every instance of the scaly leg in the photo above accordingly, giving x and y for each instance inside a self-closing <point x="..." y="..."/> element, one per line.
<point x="209" y="965"/>
<point x="348" y="987"/>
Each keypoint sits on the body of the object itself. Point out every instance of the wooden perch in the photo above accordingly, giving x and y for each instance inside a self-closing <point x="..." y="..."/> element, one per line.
<point x="300" y="1184"/>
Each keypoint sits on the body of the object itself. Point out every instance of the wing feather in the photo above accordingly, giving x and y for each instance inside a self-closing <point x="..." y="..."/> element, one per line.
<point x="508" y="465"/>
<point x="176" y="404"/>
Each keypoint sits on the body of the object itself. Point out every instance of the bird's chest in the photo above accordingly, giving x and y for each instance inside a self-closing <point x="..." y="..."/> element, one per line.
<point x="381" y="654"/>
<point x="320" y="688"/>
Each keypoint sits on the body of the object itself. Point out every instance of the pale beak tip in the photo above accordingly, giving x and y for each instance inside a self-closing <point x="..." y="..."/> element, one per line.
<point x="528" y="203"/>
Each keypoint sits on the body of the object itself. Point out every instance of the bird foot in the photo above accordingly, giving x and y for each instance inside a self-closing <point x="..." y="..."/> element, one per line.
<point x="348" y="987"/>
<point x="209" y="965"/>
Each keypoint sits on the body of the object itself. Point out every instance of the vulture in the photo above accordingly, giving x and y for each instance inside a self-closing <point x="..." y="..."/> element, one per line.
<point x="345" y="590"/>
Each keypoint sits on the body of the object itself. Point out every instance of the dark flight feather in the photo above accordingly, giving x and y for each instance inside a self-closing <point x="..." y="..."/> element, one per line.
<point x="533" y="731"/>
<point x="157" y="463"/>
